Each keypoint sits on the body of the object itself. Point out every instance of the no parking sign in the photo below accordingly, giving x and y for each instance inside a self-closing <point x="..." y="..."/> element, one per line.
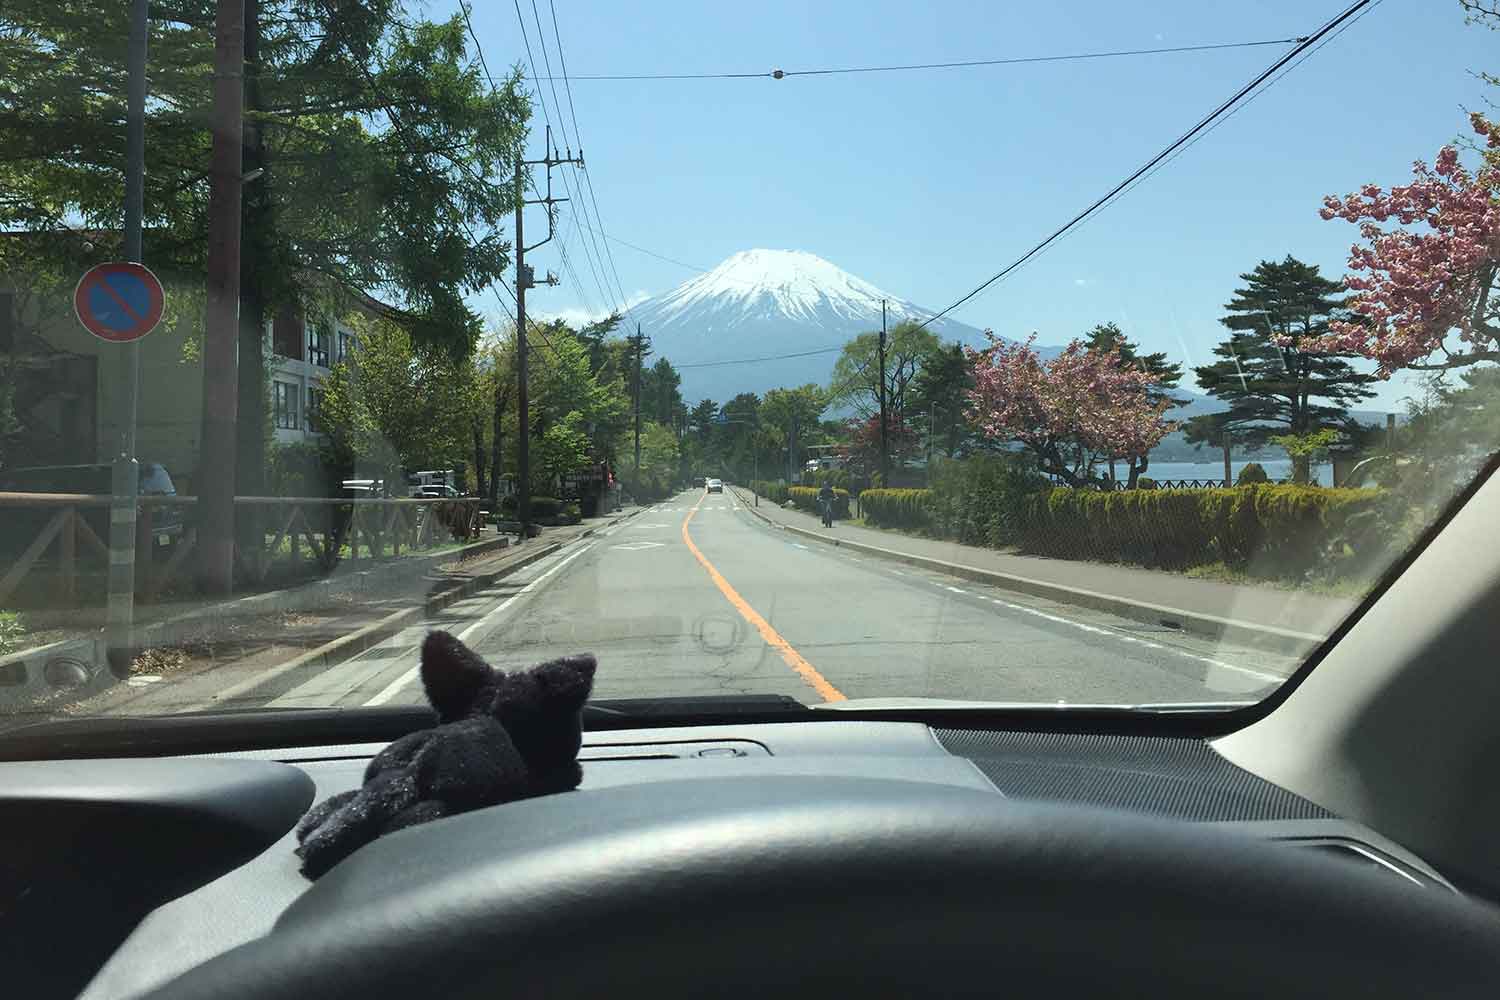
<point x="119" y="301"/>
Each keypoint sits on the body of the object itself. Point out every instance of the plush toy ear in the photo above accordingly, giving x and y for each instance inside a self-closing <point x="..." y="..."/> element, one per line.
<point x="565" y="683"/>
<point x="453" y="675"/>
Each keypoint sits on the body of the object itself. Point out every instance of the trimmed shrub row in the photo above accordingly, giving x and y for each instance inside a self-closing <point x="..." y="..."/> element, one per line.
<point x="768" y="490"/>
<point x="908" y="510"/>
<point x="1268" y="531"/>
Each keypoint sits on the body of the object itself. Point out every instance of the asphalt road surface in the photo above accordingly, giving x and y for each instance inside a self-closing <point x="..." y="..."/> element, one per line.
<point x="696" y="596"/>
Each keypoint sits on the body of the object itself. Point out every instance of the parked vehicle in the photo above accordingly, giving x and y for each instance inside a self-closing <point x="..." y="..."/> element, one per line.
<point x="94" y="479"/>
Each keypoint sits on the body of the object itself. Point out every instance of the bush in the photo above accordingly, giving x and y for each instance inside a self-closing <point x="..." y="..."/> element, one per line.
<point x="1252" y="474"/>
<point x="910" y="510"/>
<point x="1145" y="483"/>
<point x="1270" y="531"/>
<point x="806" y="498"/>
<point x="978" y="500"/>
<point x="776" y="492"/>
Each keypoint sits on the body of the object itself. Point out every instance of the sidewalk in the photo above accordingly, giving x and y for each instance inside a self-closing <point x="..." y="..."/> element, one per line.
<point x="273" y="632"/>
<point x="1287" y="619"/>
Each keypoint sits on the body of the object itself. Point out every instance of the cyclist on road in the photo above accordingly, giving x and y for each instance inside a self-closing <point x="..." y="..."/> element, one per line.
<point x="825" y="504"/>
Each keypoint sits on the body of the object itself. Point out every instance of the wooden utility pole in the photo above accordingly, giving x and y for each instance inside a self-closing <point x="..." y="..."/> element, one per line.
<point x="1228" y="475"/>
<point x="216" y="445"/>
<point x="885" y="445"/>
<point x="525" y="279"/>
<point x="640" y="351"/>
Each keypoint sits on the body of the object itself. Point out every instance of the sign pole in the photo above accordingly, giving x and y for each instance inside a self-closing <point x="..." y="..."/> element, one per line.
<point x="125" y="475"/>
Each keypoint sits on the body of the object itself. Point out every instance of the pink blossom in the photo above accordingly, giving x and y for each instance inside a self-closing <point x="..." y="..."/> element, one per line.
<point x="1432" y="275"/>
<point x="1090" y="397"/>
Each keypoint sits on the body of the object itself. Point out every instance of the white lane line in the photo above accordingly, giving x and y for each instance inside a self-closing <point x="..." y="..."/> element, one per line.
<point x="1260" y="674"/>
<point x="955" y="590"/>
<point x="899" y="572"/>
<point x="799" y="545"/>
<point x="396" y="686"/>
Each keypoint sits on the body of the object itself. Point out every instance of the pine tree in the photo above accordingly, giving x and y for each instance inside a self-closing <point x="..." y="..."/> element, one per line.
<point x="1273" y="387"/>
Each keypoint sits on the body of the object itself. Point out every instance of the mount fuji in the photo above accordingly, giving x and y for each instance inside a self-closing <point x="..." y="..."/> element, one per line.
<point x="763" y="304"/>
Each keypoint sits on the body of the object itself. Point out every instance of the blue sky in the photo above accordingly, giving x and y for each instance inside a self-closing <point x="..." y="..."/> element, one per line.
<point x="926" y="183"/>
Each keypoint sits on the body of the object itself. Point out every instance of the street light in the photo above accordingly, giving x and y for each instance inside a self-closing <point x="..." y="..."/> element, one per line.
<point x="721" y="419"/>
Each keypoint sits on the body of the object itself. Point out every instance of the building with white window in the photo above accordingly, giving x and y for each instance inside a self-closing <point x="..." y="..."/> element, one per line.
<point x="302" y="352"/>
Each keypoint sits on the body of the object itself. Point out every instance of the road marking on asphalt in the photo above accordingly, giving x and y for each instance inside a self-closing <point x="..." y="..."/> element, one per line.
<point x="899" y="572"/>
<point x="799" y="545"/>
<point x="1260" y="674"/>
<point x="793" y="659"/>
<point x="396" y="686"/>
<point x="955" y="590"/>
<point x="638" y="546"/>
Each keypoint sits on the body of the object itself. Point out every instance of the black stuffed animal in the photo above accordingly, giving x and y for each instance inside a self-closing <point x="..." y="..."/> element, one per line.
<point x="500" y="737"/>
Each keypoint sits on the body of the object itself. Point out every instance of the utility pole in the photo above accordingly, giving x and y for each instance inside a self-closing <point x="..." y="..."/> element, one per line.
<point x="885" y="447"/>
<point x="1228" y="476"/>
<point x="791" y="446"/>
<point x="125" y="480"/>
<point x="640" y="350"/>
<point x="525" y="279"/>
<point x="216" y="444"/>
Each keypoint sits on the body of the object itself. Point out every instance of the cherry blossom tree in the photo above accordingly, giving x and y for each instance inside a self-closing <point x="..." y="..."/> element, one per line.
<point x="1425" y="296"/>
<point x="1071" y="412"/>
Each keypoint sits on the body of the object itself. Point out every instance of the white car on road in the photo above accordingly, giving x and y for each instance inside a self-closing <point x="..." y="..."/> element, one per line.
<point x="715" y="486"/>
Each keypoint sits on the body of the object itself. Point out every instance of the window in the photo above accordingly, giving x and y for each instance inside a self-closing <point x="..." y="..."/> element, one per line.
<point x="285" y="397"/>
<point x="286" y="335"/>
<point x="346" y="345"/>
<point x="314" y="407"/>
<point x="317" y="345"/>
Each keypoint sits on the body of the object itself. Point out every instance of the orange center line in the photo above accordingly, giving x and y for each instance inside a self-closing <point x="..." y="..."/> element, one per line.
<point x="793" y="659"/>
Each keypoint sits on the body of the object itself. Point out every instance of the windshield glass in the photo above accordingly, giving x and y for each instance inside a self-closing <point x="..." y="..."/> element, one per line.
<point x="1091" y="355"/>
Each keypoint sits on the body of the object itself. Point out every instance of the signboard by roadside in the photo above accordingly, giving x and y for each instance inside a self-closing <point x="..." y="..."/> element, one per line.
<point x="119" y="301"/>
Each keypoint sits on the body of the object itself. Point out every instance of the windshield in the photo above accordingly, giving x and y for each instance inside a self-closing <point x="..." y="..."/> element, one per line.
<point x="1087" y="355"/>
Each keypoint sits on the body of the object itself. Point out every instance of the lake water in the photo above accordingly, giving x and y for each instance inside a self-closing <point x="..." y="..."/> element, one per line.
<point x="1276" y="469"/>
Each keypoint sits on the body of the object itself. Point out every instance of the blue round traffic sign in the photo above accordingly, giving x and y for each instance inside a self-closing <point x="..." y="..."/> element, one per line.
<point x="119" y="301"/>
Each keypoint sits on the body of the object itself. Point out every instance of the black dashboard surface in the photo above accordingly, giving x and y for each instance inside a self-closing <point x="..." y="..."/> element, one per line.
<point x="1168" y="777"/>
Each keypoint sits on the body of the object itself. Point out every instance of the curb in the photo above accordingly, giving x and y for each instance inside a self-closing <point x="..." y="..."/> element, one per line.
<point x="1259" y="636"/>
<point x="346" y="647"/>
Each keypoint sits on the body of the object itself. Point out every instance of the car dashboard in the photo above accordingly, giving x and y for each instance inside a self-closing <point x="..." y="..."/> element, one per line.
<point x="246" y="802"/>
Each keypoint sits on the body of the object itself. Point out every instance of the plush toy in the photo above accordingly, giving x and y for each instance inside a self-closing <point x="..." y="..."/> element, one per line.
<point x="500" y="737"/>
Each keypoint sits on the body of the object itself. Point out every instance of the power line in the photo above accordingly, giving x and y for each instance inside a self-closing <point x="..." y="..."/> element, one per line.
<point x="1236" y="110"/>
<point x="1204" y="123"/>
<point x="531" y="61"/>
<point x="578" y="134"/>
<point x="777" y="74"/>
<point x="547" y="118"/>
<point x="751" y="361"/>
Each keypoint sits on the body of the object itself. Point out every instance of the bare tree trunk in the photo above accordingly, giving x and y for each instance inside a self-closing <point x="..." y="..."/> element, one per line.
<point x="495" y="452"/>
<point x="477" y="428"/>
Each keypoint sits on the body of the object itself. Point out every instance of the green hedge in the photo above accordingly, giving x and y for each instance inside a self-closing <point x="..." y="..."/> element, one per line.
<point x="1265" y="530"/>
<point x="769" y="490"/>
<point x="908" y="510"/>
<point x="806" y="498"/>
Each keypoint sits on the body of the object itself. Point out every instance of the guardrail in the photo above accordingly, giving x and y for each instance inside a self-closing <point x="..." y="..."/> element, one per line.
<point x="64" y="539"/>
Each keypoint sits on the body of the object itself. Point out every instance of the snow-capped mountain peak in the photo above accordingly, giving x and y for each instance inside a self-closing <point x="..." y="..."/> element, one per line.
<point x="795" y="284"/>
<point x="768" y="318"/>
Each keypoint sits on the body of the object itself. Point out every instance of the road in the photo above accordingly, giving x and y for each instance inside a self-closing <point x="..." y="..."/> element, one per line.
<point x="695" y="596"/>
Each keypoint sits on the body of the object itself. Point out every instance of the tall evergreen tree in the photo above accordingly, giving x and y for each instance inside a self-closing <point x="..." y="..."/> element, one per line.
<point x="1272" y="385"/>
<point x="939" y="397"/>
<point x="1109" y="337"/>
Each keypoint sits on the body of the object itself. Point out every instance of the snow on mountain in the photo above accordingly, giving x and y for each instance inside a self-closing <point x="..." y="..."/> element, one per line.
<point x="763" y="303"/>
